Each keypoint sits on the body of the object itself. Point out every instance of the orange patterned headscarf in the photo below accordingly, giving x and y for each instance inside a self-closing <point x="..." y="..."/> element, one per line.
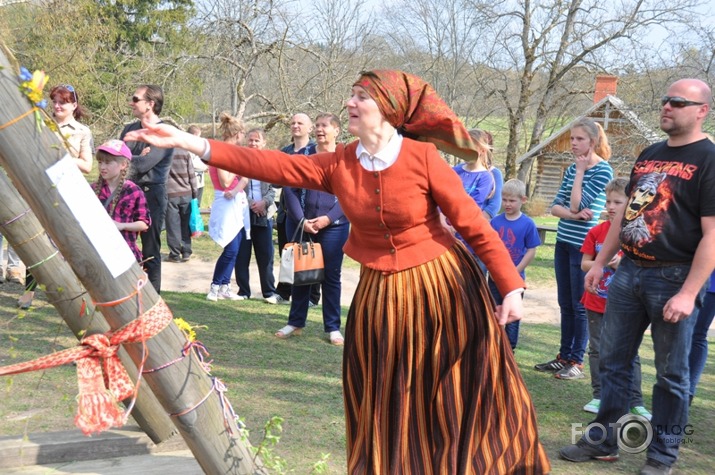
<point x="412" y="106"/>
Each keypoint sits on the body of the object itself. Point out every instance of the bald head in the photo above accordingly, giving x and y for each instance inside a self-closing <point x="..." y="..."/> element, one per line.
<point x="300" y="128"/>
<point x="683" y="120"/>
<point x="692" y="89"/>
<point x="301" y="117"/>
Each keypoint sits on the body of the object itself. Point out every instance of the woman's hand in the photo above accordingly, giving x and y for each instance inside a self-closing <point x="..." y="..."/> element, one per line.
<point x="511" y="309"/>
<point x="447" y="225"/>
<point x="585" y="214"/>
<point x="313" y="226"/>
<point x="583" y="161"/>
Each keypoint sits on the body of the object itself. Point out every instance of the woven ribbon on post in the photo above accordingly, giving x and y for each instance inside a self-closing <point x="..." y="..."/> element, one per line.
<point x="102" y="379"/>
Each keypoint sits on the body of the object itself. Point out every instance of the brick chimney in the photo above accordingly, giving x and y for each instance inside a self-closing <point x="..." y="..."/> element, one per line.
<point x="605" y="85"/>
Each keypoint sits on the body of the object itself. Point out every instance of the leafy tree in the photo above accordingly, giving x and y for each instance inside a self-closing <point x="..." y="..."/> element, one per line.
<point x="85" y="43"/>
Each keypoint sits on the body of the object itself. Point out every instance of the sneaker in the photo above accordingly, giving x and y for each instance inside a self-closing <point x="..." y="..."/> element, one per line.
<point x="14" y="275"/>
<point x="641" y="411"/>
<point x="571" y="371"/>
<point x="336" y="338"/>
<point x="275" y="299"/>
<point x="583" y="452"/>
<point x="213" y="293"/>
<point x="224" y="293"/>
<point x="592" y="406"/>
<point x="186" y="258"/>
<point x="552" y="366"/>
<point x="653" y="467"/>
<point x="312" y="304"/>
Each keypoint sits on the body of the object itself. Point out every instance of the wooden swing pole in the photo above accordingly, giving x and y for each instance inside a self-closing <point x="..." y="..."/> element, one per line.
<point x="60" y="197"/>
<point x="24" y="232"/>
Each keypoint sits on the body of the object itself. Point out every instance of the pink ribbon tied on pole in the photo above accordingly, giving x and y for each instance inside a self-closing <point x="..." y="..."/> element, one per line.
<point x="101" y="377"/>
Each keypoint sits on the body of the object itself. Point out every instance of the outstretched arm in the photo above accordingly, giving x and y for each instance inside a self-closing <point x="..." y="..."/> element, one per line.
<point x="167" y="136"/>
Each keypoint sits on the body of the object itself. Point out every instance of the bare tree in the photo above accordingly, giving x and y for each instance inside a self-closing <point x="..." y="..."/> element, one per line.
<point x="441" y="41"/>
<point x="335" y="37"/>
<point x="237" y="36"/>
<point x="544" y="42"/>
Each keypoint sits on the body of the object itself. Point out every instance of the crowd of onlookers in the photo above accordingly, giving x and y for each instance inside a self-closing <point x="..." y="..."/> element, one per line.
<point x="650" y="269"/>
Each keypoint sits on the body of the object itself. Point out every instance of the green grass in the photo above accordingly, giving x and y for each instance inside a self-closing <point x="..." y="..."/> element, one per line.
<point x="299" y="380"/>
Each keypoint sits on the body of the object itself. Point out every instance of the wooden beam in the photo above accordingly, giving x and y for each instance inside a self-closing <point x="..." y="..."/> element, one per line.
<point x="65" y="205"/>
<point x="24" y="232"/>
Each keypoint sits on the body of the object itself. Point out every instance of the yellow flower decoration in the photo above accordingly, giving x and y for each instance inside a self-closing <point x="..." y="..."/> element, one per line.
<point x="31" y="86"/>
<point x="186" y="327"/>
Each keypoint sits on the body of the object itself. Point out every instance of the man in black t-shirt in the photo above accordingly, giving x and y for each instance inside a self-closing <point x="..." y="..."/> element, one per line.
<point x="667" y="234"/>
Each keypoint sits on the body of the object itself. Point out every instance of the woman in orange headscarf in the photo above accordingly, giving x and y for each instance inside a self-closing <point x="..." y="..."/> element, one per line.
<point x="429" y="379"/>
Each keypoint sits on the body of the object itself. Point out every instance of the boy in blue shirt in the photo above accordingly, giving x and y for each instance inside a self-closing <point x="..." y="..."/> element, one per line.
<point x="520" y="236"/>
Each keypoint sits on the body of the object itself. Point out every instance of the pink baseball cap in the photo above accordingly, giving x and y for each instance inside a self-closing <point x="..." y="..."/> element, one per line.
<point x="117" y="148"/>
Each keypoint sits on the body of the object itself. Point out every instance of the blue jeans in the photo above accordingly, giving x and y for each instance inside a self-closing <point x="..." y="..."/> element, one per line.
<point x="699" y="348"/>
<point x="636" y="298"/>
<point x="332" y="239"/>
<point x="226" y="262"/>
<point x="569" y="288"/>
<point x="262" y="244"/>
<point x="511" y="329"/>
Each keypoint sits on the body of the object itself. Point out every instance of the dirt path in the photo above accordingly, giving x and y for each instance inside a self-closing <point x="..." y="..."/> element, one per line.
<point x="195" y="276"/>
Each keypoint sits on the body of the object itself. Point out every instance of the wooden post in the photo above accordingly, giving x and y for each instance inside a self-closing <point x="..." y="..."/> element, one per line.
<point x="65" y="205"/>
<point x="24" y="232"/>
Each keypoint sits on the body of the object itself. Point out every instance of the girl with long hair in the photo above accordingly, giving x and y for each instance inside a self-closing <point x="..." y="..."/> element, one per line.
<point x="122" y="198"/>
<point x="578" y="203"/>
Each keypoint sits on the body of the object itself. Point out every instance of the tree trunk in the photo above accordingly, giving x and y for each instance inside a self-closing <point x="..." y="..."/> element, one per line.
<point x="66" y="294"/>
<point x="77" y="223"/>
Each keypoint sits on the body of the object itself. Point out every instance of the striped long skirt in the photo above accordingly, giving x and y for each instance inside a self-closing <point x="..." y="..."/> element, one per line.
<point x="429" y="379"/>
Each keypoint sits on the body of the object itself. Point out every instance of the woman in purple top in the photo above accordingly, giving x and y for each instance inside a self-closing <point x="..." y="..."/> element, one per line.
<point x="326" y="224"/>
<point x="477" y="180"/>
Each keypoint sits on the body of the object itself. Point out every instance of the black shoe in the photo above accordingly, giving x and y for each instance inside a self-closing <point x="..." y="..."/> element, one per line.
<point x="185" y="257"/>
<point x="653" y="467"/>
<point x="552" y="366"/>
<point x="583" y="452"/>
<point x="173" y="259"/>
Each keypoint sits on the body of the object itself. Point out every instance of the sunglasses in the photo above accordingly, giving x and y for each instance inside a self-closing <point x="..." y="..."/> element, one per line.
<point x="70" y="89"/>
<point x="136" y="99"/>
<point x="679" y="102"/>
